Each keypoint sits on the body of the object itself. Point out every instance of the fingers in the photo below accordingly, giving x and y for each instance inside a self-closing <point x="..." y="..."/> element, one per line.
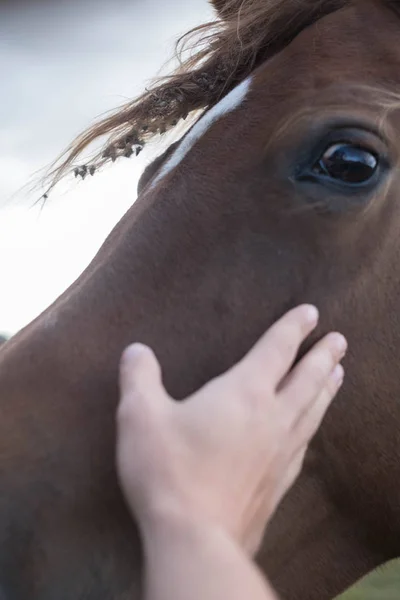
<point x="308" y="424"/>
<point x="140" y="380"/>
<point x="274" y="354"/>
<point x="312" y="374"/>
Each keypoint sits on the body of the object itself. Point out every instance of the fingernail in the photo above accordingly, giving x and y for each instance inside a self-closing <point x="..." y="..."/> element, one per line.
<point x="133" y="351"/>
<point x="338" y="375"/>
<point x="311" y="314"/>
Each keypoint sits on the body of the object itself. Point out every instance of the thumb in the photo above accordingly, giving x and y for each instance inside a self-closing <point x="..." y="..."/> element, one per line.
<point x="140" y="378"/>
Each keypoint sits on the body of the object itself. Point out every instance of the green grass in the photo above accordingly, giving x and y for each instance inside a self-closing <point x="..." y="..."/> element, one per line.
<point x="381" y="584"/>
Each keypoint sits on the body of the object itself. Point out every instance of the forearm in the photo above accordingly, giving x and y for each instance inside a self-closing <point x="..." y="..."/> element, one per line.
<point x="186" y="560"/>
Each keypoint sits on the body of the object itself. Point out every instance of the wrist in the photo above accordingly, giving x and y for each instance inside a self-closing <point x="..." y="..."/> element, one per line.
<point x="169" y="516"/>
<point x="191" y="549"/>
<point x="169" y="519"/>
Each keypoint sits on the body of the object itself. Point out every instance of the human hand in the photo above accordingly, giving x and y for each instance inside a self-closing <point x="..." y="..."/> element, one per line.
<point x="230" y="452"/>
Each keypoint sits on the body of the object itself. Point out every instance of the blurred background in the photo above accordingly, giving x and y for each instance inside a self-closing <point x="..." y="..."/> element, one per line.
<point x="62" y="64"/>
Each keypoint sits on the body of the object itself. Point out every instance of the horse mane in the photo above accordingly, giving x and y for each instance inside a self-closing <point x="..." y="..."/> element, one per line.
<point x="213" y="59"/>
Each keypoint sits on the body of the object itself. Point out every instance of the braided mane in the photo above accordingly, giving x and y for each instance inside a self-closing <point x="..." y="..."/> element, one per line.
<point x="213" y="59"/>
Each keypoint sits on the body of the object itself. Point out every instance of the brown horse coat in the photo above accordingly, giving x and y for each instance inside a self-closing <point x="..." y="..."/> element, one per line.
<point x="255" y="218"/>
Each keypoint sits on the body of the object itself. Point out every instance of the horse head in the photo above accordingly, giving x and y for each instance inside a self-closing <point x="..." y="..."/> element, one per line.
<point x="283" y="191"/>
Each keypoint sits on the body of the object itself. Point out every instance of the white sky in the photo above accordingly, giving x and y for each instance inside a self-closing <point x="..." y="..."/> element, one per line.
<point x="61" y="65"/>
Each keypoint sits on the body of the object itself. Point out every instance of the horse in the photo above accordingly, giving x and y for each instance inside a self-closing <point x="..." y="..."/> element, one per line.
<point x="283" y="189"/>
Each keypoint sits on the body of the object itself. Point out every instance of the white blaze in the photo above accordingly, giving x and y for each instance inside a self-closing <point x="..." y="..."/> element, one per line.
<point x="229" y="103"/>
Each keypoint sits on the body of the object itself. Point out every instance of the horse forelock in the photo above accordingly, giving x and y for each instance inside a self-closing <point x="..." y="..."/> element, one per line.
<point x="228" y="104"/>
<point x="223" y="53"/>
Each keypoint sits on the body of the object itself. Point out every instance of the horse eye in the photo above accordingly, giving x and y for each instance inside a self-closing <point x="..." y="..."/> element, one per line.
<point x="347" y="163"/>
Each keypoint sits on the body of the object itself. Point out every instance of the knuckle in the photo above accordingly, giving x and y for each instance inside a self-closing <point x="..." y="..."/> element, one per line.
<point x="286" y="346"/>
<point x="300" y="325"/>
<point x="289" y="343"/>
<point x="290" y="334"/>
<point x="322" y="364"/>
<point x="258" y="393"/>
<point x="316" y="373"/>
<point x="255" y="397"/>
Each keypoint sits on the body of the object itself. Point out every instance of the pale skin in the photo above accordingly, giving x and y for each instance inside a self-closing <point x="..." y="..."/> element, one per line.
<point x="205" y="476"/>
